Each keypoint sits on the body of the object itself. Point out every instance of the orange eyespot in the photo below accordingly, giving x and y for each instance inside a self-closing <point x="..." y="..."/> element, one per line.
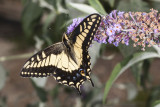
<point x="82" y="73"/>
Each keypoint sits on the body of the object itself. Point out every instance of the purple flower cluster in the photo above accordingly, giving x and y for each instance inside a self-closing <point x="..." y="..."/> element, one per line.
<point x="141" y="27"/>
<point x="112" y="30"/>
<point x="109" y="30"/>
<point x="74" y="24"/>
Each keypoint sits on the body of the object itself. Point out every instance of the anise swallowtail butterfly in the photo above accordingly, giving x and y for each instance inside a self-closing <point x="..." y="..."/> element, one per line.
<point x="67" y="61"/>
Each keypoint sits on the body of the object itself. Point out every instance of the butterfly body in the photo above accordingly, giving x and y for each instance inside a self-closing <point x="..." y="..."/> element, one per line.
<point x="67" y="61"/>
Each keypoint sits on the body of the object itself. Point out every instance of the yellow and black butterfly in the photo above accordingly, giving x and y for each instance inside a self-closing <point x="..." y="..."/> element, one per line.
<point x="67" y="61"/>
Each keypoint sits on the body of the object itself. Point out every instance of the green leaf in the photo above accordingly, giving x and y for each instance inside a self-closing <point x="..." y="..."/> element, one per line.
<point x="30" y="15"/>
<point x="153" y="98"/>
<point x="48" y="21"/>
<point x="114" y="75"/>
<point x="57" y="28"/>
<point x="2" y="77"/>
<point x="3" y="101"/>
<point x="156" y="4"/>
<point x="156" y="48"/>
<point x="137" y="70"/>
<point x="133" y="5"/>
<point x="42" y="94"/>
<point x="53" y="3"/>
<point x="111" y="2"/>
<point x="128" y="50"/>
<point x="23" y="2"/>
<point x="156" y="104"/>
<point x="94" y="52"/>
<point x="83" y="7"/>
<point x="125" y="64"/>
<point x="40" y="82"/>
<point x="145" y="73"/>
<point x="45" y="4"/>
<point x="98" y="6"/>
<point x="55" y="92"/>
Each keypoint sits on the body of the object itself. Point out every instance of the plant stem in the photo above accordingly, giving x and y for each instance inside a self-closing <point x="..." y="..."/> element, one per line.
<point x="13" y="57"/>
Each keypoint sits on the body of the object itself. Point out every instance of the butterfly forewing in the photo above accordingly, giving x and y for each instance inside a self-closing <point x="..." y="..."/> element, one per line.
<point x="82" y="37"/>
<point x="43" y="63"/>
<point x="83" y="34"/>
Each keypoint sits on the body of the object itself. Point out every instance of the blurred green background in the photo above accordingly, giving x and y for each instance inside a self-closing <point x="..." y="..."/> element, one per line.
<point x="123" y="76"/>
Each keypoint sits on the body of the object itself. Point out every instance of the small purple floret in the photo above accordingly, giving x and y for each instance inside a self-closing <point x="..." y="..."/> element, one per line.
<point x="110" y="31"/>
<point x="120" y="14"/>
<point x="117" y="28"/>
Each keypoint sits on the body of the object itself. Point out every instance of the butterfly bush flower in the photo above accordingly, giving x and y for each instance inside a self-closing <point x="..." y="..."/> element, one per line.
<point x="120" y="27"/>
<point x="74" y="24"/>
<point x="141" y="27"/>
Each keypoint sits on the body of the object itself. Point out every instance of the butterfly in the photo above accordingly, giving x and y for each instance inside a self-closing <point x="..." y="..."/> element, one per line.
<point x="67" y="61"/>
